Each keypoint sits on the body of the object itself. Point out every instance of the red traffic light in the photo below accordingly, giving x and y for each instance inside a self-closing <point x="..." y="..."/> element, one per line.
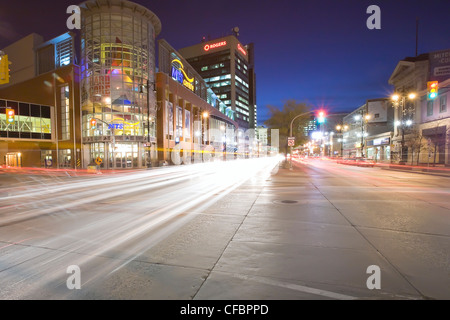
<point x="432" y="89"/>
<point x="10" y="115"/>
<point x="93" y="123"/>
<point x="321" y="116"/>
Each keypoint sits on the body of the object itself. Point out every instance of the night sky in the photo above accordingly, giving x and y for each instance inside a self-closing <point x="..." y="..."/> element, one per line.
<point x="314" y="51"/>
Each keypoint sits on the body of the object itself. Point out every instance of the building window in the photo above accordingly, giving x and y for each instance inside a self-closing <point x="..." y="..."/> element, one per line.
<point x="46" y="158"/>
<point x="430" y="108"/>
<point x="64" y="158"/>
<point x="64" y="53"/>
<point x="30" y="121"/>
<point x="377" y="115"/>
<point x="65" y="114"/>
<point x="443" y="104"/>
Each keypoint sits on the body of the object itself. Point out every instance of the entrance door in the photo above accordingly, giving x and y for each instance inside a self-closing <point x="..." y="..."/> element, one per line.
<point x="13" y="159"/>
<point x="119" y="160"/>
<point x="129" y="160"/>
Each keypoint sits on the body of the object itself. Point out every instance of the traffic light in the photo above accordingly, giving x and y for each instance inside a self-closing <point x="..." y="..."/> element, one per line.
<point x="432" y="89"/>
<point x="4" y="69"/>
<point x="93" y="123"/>
<point x="10" y="116"/>
<point x="321" y="117"/>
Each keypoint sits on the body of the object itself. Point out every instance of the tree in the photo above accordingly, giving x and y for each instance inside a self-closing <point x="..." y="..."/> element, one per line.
<point x="415" y="143"/>
<point x="281" y="119"/>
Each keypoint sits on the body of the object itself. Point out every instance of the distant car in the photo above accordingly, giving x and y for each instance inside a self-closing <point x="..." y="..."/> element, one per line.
<point x="364" y="162"/>
<point x="347" y="161"/>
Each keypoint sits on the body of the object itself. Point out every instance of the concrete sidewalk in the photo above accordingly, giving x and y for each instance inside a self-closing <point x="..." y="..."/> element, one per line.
<point x="295" y="243"/>
<point x="436" y="171"/>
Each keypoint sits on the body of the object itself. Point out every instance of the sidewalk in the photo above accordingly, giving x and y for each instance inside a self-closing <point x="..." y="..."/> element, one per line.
<point x="294" y="243"/>
<point x="436" y="171"/>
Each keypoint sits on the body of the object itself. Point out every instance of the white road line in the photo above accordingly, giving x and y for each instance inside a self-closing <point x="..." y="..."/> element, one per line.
<point x="296" y="287"/>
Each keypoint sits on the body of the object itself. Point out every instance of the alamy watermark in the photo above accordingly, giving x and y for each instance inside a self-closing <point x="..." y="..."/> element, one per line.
<point x="74" y="280"/>
<point x="374" y="21"/>
<point x="374" y="280"/>
<point x="74" y="21"/>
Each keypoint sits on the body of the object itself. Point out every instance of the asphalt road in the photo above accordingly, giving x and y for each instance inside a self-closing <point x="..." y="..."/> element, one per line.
<point x="246" y="229"/>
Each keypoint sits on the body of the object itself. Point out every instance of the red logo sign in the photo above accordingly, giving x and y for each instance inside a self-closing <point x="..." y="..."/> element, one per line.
<point x="208" y="47"/>
<point x="242" y="50"/>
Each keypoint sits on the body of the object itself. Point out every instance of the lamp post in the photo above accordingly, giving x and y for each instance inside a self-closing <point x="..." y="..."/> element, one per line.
<point x="290" y="135"/>
<point x="340" y="129"/>
<point x="147" y="87"/>
<point x="364" y="117"/>
<point x="399" y="101"/>
<point x="224" y="141"/>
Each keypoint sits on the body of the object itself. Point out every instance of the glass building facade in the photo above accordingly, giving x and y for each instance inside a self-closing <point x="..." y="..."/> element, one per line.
<point x="31" y="121"/>
<point x="117" y="82"/>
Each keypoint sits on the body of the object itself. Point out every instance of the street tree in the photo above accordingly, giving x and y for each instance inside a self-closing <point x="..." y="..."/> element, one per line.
<point x="281" y="119"/>
<point x="415" y="143"/>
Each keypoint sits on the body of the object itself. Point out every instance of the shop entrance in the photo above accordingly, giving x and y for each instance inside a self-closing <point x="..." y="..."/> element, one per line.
<point x="13" y="159"/>
<point x="125" y="156"/>
<point x="123" y="160"/>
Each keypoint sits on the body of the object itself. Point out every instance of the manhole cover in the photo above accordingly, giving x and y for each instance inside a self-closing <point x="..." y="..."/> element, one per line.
<point x="285" y="201"/>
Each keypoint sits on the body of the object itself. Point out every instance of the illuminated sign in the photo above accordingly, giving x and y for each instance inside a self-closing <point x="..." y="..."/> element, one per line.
<point x="122" y="124"/>
<point x="180" y="75"/>
<point x="242" y="50"/>
<point x="208" y="47"/>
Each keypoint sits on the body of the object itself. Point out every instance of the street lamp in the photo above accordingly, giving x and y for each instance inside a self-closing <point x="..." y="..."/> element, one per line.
<point x="290" y="134"/>
<point x="224" y="141"/>
<point x="147" y="87"/>
<point x="399" y="100"/>
<point x="341" y="128"/>
<point x="364" y="118"/>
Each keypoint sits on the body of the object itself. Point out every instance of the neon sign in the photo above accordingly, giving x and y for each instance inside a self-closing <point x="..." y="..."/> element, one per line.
<point x="180" y="75"/>
<point x="208" y="47"/>
<point x="241" y="49"/>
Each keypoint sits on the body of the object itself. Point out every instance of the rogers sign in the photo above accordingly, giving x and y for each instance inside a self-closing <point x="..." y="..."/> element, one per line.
<point x="208" y="47"/>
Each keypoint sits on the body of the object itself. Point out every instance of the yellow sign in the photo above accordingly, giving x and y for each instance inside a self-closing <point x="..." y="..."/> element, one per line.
<point x="180" y="75"/>
<point x="98" y="161"/>
<point x="122" y="124"/>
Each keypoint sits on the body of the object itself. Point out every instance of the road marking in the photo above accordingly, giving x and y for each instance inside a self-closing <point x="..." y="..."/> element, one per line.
<point x="14" y="243"/>
<point x="296" y="287"/>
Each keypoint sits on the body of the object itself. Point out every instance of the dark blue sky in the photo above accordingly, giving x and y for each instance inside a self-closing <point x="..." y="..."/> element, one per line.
<point x="317" y="51"/>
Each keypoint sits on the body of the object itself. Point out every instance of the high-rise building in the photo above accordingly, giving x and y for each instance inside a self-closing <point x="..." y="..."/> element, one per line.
<point x="227" y="66"/>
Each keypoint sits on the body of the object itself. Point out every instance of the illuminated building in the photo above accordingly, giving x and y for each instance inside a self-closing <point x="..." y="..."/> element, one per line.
<point x="117" y="60"/>
<point x="44" y="94"/>
<point x="228" y="67"/>
<point x="182" y="98"/>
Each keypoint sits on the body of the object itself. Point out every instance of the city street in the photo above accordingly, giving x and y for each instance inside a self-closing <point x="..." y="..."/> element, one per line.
<point x="244" y="229"/>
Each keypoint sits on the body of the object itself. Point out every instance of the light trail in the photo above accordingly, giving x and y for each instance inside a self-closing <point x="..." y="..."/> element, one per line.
<point x="161" y="203"/>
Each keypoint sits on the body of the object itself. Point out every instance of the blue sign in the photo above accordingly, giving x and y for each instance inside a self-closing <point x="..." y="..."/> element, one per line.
<point x="177" y="75"/>
<point x="118" y="126"/>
